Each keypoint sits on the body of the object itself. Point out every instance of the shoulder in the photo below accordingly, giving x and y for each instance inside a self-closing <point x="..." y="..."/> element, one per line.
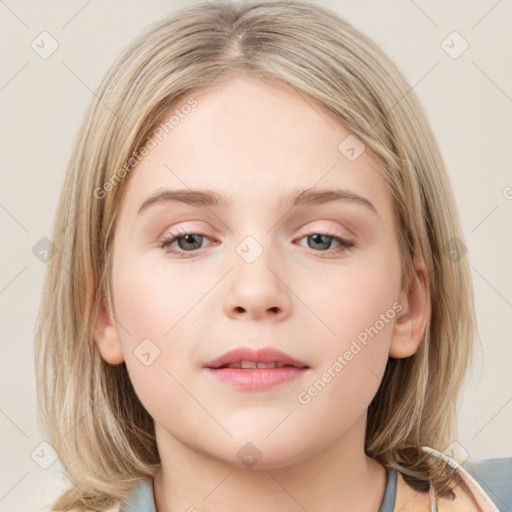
<point x="112" y="509"/>
<point x="410" y="500"/>
<point x="494" y="475"/>
<point x="486" y="487"/>
<point x="141" y="498"/>
<point x="117" y="508"/>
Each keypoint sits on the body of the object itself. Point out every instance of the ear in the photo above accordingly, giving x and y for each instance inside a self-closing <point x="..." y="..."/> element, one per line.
<point x="411" y="322"/>
<point x="106" y="337"/>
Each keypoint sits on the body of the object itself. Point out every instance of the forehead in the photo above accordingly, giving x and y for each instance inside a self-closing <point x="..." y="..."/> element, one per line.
<point x="247" y="139"/>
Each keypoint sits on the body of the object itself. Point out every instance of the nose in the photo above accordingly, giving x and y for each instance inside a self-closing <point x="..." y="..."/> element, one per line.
<point x="258" y="290"/>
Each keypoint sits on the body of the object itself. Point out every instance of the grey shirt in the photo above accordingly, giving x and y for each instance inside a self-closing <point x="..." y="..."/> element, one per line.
<point x="142" y="499"/>
<point x="493" y="475"/>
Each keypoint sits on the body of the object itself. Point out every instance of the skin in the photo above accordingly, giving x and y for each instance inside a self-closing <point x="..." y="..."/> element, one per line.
<point x="255" y="141"/>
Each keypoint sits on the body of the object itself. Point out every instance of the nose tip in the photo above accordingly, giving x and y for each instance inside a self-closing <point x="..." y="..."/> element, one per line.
<point x="256" y="291"/>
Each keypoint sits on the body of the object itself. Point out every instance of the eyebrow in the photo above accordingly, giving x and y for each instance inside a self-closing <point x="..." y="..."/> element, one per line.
<point x="298" y="197"/>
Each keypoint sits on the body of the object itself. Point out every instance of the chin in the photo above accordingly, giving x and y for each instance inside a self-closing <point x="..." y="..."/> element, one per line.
<point x="260" y="453"/>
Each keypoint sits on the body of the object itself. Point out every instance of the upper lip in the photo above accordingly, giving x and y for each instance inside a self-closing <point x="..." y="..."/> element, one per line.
<point x="264" y="355"/>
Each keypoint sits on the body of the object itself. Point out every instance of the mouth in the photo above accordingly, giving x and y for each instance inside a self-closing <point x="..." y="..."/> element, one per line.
<point x="250" y="370"/>
<point x="247" y="365"/>
<point x="245" y="358"/>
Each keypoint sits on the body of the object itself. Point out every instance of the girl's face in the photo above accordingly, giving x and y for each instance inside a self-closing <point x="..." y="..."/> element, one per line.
<point x="259" y="271"/>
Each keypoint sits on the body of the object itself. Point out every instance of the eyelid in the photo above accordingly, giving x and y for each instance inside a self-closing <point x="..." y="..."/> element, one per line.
<point x="181" y="230"/>
<point x="327" y="230"/>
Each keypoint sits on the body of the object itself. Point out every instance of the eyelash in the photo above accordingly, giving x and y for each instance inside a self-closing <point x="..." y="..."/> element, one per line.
<point x="345" y="245"/>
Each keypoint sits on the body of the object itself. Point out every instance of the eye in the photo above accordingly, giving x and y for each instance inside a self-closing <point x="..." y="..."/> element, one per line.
<point x="187" y="242"/>
<point x="322" y="241"/>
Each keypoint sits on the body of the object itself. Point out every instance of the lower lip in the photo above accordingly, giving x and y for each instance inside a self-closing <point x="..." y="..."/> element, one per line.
<point x="257" y="378"/>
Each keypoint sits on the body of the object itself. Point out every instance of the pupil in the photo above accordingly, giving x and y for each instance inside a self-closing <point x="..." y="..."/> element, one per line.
<point x="317" y="238"/>
<point x="188" y="239"/>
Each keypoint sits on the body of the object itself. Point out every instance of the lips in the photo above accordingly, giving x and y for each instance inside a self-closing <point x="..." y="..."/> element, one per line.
<point x="245" y="369"/>
<point x="247" y="358"/>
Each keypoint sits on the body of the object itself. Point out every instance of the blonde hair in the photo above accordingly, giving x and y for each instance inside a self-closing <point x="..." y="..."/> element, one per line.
<point x="89" y="409"/>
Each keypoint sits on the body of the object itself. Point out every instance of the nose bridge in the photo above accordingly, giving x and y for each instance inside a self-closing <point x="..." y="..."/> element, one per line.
<point x="256" y="287"/>
<point x="255" y="256"/>
<point x="254" y="232"/>
<point x="251" y="249"/>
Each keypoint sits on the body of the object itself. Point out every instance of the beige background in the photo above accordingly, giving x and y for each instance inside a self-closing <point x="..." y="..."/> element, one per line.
<point x="468" y="101"/>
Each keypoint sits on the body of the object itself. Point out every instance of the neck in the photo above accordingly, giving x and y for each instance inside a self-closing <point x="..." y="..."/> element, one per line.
<point x="341" y="477"/>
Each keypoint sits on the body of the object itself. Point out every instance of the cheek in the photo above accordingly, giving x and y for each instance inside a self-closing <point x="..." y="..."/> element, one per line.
<point x="361" y="314"/>
<point x="144" y="312"/>
<point x="156" y="300"/>
<point x="159" y="309"/>
<point x="359" y="299"/>
<point x="358" y="314"/>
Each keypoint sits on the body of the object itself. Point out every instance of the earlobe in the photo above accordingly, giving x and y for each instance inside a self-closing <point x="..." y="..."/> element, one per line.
<point x="411" y="322"/>
<point x="106" y="337"/>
